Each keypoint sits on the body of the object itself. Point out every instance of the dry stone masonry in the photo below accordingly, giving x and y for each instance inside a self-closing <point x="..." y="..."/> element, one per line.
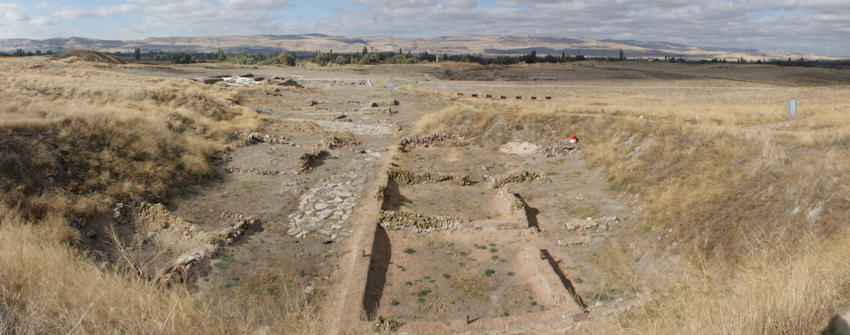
<point x="521" y="177"/>
<point x="326" y="208"/>
<point x="435" y="140"/>
<point x="408" y="177"/>
<point x="400" y="220"/>
<point x="602" y="223"/>
<point x="180" y="269"/>
<point x="339" y="140"/>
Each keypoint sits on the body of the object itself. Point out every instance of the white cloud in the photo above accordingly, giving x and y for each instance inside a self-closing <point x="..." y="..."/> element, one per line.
<point x="12" y="12"/>
<point x="465" y="4"/>
<point x="101" y="11"/>
<point x="818" y="26"/>
<point x="257" y="4"/>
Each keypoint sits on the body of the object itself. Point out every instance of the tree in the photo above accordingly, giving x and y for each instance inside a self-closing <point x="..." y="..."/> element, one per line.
<point x="365" y="50"/>
<point x="532" y="57"/>
<point x="622" y="55"/>
<point x="137" y="54"/>
<point x="220" y="55"/>
<point x="287" y="58"/>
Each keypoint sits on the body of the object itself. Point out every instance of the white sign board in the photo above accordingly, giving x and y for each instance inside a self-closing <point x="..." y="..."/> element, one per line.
<point x="792" y="109"/>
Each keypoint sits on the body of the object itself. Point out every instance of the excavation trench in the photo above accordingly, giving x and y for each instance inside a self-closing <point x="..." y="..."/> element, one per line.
<point x="428" y="277"/>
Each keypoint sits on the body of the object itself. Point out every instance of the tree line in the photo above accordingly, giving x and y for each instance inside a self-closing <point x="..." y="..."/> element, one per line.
<point x="366" y="57"/>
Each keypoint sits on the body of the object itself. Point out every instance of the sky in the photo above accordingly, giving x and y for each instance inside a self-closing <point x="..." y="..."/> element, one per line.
<point x="803" y="26"/>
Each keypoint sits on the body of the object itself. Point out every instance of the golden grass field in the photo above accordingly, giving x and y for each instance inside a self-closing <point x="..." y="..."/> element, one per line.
<point x="76" y="139"/>
<point x="746" y="217"/>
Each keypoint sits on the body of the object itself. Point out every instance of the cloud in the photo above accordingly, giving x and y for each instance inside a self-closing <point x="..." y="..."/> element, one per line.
<point x="816" y="26"/>
<point x="12" y="12"/>
<point x="100" y="11"/>
<point x="257" y="4"/>
<point x="208" y="17"/>
<point x="14" y="15"/>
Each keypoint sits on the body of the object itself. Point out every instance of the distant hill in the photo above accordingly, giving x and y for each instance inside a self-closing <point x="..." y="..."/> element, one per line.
<point x="476" y="44"/>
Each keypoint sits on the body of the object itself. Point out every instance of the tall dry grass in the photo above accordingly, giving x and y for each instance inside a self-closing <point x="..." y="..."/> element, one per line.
<point x="48" y="287"/>
<point x="755" y="218"/>
<point x="74" y="139"/>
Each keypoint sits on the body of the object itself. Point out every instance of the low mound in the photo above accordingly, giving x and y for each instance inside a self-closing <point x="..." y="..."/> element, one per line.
<point x="90" y="56"/>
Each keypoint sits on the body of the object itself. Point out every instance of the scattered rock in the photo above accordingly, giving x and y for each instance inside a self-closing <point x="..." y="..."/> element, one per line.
<point x="251" y="138"/>
<point x="254" y="171"/>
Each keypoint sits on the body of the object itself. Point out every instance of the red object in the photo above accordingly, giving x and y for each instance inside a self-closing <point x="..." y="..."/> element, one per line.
<point x="573" y="139"/>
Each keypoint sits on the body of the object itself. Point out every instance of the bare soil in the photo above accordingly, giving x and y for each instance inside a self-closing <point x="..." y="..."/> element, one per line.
<point x="477" y="271"/>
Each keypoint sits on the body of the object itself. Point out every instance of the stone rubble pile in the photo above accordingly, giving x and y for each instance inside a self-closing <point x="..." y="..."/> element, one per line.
<point x="309" y="159"/>
<point x="257" y="137"/>
<point x="256" y="171"/>
<point x="337" y="83"/>
<point x="409" y="177"/>
<point x="435" y="140"/>
<point x="157" y="216"/>
<point x="555" y="150"/>
<point x="252" y="138"/>
<point x="520" y="177"/>
<point x="400" y="220"/>
<point x="572" y="241"/>
<point x="601" y="223"/>
<point x="339" y="140"/>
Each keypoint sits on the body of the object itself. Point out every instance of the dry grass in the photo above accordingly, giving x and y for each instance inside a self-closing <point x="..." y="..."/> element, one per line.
<point x="47" y="286"/>
<point x="74" y="139"/>
<point x="736" y="213"/>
